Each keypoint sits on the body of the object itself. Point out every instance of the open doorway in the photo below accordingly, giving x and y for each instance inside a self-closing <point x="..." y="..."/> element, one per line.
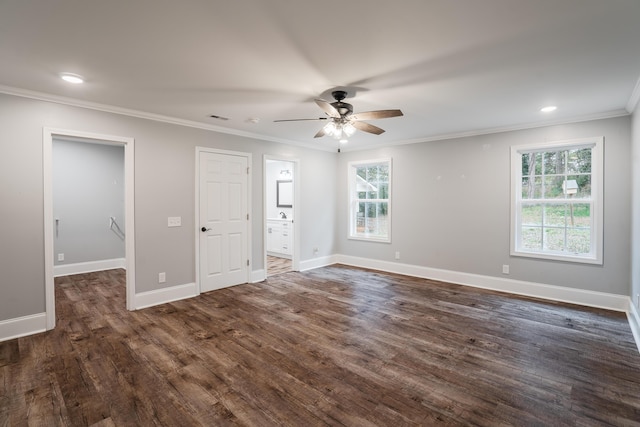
<point x="74" y="241"/>
<point x="281" y="185"/>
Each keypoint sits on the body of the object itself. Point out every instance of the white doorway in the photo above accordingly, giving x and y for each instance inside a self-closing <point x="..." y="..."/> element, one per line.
<point x="223" y="204"/>
<point x="49" y="135"/>
<point x="281" y="236"/>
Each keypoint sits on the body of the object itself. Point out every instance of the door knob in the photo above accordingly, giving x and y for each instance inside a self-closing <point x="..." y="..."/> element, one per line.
<point x="205" y="229"/>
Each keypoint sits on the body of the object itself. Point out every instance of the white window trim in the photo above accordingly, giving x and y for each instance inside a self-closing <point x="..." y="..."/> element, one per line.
<point x="351" y="174"/>
<point x="597" y="184"/>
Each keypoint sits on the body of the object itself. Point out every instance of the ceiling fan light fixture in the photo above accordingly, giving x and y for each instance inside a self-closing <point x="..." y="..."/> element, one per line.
<point x="349" y="129"/>
<point x="337" y="133"/>
<point x="329" y="128"/>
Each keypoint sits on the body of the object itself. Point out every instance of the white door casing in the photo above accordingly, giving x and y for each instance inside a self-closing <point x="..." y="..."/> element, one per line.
<point x="295" y="226"/>
<point x="48" y="135"/>
<point x="223" y="213"/>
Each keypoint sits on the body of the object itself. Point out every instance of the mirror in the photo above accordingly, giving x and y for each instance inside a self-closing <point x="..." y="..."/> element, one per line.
<point x="284" y="193"/>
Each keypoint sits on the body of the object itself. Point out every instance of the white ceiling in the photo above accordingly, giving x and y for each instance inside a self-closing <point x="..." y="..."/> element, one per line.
<point x="453" y="66"/>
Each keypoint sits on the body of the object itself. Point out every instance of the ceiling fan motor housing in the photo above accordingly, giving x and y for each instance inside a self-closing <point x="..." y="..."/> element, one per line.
<point x="343" y="108"/>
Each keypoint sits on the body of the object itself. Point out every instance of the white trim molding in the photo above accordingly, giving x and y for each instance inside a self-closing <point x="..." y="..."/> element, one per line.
<point x="23" y="326"/>
<point x="165" y="295"/>
<point x="634" y="323"/>
<point x="258" y="275"/>
<point x="632" y="104"/>
<point x="48" y="135"/>
<point x="318" y="262"/>
<point x="88" y="267"/>
<point x="518" y="287"/>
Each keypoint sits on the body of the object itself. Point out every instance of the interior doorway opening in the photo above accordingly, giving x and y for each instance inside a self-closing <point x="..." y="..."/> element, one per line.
<point x="113" y="225"/>
<point x="281" y="188"/>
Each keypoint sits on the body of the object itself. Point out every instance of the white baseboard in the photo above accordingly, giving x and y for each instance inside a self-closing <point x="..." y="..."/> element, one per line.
<point x="88" y="267"/>
<point x="258" y="275"/>
<point x="538" y="290"/>
<point x="310" y="264"/>
<point x="634" y="322"/>
<point x="165" y="295"/>
<point x="23" y="326"/>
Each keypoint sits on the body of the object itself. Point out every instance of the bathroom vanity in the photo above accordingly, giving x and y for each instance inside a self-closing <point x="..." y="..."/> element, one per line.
<point x="279" y="237"/>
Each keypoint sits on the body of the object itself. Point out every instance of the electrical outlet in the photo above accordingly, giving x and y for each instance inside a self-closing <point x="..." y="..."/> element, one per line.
<point x="60" y="257"/>
<point x="315" y="251"/>
<point x="162" y="277"/>
<point x="397" y="254"/>
<point x="505" y="269"/>
<point x="174" y="221"/>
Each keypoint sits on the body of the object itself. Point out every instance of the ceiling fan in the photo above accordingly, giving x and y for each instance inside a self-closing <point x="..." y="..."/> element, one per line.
<point x="342" y="120"/>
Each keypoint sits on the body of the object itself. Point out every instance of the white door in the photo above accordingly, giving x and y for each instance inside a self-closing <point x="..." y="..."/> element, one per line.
<point x="223" y="221"/>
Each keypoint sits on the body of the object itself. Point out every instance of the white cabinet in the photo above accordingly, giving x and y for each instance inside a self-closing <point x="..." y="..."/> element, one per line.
<point x="279" y="237"/>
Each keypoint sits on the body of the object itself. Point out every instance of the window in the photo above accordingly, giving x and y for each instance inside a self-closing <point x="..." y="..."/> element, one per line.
<point x="370" y="200"/>
<point x="557" y="200"/>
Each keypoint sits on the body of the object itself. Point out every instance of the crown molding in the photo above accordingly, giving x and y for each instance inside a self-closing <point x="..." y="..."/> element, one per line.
<point x="47" y="97"/>
<point x="634" y="98"/>
<point x="489" y="131"/>
<point x="41" y="96"/>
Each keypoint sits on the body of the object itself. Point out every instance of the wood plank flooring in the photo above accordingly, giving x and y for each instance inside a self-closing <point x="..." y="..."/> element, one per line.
<point x="333" y="346"/>
<point x="277" y="265"/>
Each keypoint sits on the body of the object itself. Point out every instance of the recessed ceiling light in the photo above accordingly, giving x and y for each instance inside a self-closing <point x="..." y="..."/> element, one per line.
<point x="343" y="141"/>
<point x="548" y="109"/>
<point x="72" y="78"/>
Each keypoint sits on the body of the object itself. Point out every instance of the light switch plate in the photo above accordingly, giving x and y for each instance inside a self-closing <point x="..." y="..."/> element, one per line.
<point x="174" y="221"/>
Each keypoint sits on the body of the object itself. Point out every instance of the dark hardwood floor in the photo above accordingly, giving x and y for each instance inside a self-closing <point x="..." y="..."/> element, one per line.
<point x="277" y="265"/>
<point x="333" y="346"/>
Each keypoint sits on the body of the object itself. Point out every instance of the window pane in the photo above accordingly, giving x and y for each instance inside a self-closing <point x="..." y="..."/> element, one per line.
<point x="580" y="215"/>
<point x="584" y="186"/>
<point x="532" y="238"/>
<point x="536" y="189"/>
<point x="579" y="240"/>
<point x="532" y="214"/>
<point x="553" y="187"/>
<point x="383" y="191"/>
<point x="554" y="162"/>
<point x="555" y="215"/>
<point x="579" y="161"/>
<point x="554" y="239"/>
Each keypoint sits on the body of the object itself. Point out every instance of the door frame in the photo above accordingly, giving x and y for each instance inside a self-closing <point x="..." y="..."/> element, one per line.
<point x="295" y="254"/>
<point x="48" y="135"/>
<point x="197" y="231"/>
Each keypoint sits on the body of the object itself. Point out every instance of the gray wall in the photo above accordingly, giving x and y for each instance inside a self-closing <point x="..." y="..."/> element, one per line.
<point x="88" y="189"/>
<point x="164" y="186"/>
<point x="451" y="207"/>
<point x="635" y="200"/>
<point x="273" y="175"/>
<point x="456" y="223"/>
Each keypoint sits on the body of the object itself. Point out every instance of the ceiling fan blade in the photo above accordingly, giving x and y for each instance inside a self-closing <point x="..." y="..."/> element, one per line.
<point x="328" y="108"/>
<point x="372" y="115"/>
<point x="300" y="120"/>
<point x="366" y="127"/>
<point x="320" y="133"/>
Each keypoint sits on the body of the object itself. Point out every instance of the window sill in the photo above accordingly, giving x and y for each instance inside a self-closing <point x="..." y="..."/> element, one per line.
<point x="554" y="257"/>
<point x="370" y="239"/>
